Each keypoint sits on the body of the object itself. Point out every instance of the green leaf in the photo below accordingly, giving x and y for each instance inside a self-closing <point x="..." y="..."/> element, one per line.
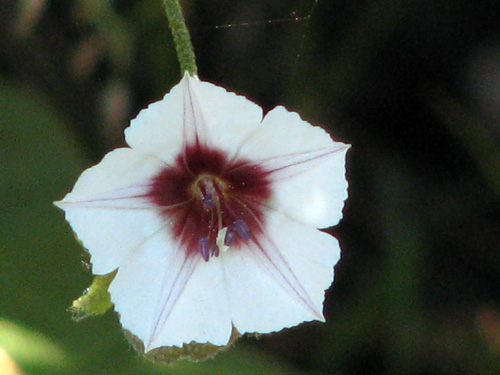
<point x="95" y="300"/>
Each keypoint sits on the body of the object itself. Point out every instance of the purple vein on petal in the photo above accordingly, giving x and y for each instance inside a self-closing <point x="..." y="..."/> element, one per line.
<point x="128" y="198"/>
<point x="194" y="128"/>
<point x="274" y="261"/>
<point x="171" y="286"/>
<point x="175" y="281"/>
<point x="131" y="197"/>
<point x="289" y="165"/>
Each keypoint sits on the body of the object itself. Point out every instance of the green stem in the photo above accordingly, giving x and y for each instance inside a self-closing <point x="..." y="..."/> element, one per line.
<point x="182" y="40"/>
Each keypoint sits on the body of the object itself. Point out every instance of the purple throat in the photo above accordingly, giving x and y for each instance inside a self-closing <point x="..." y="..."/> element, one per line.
<point x="211" y="201"/>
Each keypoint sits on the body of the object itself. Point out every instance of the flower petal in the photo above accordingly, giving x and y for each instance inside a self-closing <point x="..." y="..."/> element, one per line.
<point x="308" y="167"/>
<point x="158" y="129"/>
<point x="108" y="210"/>
<point x="166" y="298"/>
<point x="120" y="169"/>
<point x="193" y="110"/>
<point x="229" y="118"/>
<point x="280" y="280"/>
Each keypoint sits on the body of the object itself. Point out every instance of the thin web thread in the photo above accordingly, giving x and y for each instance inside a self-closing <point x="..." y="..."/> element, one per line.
<point x="293" y="18"/>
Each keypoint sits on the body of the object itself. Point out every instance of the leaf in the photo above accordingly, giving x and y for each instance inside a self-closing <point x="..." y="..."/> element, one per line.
<point x="95" y="300"/>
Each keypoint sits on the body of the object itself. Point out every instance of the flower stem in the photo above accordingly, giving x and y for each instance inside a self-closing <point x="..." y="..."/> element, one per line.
<point x="182" y="40"/>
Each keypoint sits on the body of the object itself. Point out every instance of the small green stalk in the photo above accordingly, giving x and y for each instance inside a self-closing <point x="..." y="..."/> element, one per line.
<point x="182" y="40"/>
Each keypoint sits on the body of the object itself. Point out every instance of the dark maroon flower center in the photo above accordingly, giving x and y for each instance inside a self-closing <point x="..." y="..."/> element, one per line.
<point x="212" y="202"/>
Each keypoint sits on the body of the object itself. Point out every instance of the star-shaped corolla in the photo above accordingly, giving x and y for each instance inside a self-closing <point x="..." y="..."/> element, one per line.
<point x="211" y="218"/>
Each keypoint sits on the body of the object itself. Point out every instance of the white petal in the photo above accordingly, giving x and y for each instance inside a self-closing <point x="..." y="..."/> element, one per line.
<point x="282" y="283"/>
<point x="283" y="132"/>
<point x="120" y="169"/>
<point x="228" y="118"/>
<point x="166" y="298"/>
<point x="106" y="208"/>
<point x="201" y="313"/>
<point x="193" y="109"/>
<point x="313" y="191"/>
<point x="158" y="129"/>
<point x="309" y="181"/>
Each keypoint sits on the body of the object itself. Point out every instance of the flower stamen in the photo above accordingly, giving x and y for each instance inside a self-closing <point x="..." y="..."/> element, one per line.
<point x="230" y="235"/>
<point x="204" y="248"/>
<point x="242" y="229"/>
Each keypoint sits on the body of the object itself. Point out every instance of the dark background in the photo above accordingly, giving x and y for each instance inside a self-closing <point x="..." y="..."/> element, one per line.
<point x="414" y="86"/>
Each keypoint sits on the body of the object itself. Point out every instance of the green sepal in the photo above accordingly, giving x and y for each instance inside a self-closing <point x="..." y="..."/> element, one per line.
<point x="95" y="300"/>
<point x="193" y="351"/>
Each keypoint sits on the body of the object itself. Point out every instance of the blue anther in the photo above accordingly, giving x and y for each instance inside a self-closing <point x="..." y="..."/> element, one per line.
<point x="230" y="235"/>
<point x="204" y="248"/>
<point x="242" y="229"/>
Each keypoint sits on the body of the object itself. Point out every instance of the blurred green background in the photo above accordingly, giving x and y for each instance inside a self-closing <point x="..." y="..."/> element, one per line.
<point x="414" y="86"/>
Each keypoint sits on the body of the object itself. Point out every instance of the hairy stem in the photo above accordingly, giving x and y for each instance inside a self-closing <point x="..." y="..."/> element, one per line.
<point x="182" y="40"/>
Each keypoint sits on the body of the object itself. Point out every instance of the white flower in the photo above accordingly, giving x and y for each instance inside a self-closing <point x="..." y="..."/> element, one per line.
<point x="211" y="218"/>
